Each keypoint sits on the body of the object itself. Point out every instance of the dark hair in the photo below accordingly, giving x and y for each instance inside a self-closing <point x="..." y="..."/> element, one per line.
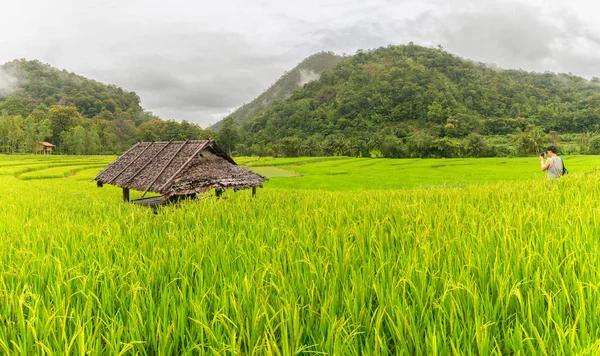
<point x="552" y="149"/>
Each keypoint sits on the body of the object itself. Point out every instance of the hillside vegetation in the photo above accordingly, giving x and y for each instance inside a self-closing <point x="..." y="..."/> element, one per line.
<point x="412" y="101"/>
<point x="309" y="69"/>
<point x="79" y="115"/>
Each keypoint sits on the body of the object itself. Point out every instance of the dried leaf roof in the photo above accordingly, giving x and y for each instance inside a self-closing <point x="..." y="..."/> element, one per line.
<point x="178" y="167"/>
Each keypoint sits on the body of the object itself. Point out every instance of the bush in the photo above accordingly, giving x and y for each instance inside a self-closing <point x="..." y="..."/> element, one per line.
<point x="594" y="146"/>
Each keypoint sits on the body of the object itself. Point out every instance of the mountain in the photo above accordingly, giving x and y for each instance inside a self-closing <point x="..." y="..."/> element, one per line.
<point x="308" y="70"/>
<point x="413" y="101"/>
<point x="80" y="116"/>
<point x="37" y="83"/>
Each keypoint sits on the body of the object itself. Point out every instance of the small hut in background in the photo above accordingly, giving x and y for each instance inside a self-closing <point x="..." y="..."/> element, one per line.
<point x="177" y="169"/>
<point x="44" y="148"/>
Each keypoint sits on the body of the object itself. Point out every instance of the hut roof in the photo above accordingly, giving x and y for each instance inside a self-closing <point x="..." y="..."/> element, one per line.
<point x="47" y="144"/>
<point x="177" y="168"/>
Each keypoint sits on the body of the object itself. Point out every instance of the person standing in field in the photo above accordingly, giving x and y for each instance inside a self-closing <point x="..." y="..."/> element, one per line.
<point x="553" y="164"/>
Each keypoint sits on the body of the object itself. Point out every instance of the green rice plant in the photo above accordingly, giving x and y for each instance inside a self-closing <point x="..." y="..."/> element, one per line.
<point x="508" y="267"/>
<point x="21" y="169"/>
<point x="60" y="171"/>
<point x="271" y="171"/>
<point x="296" y="161"/>
<point x="86" y="174"/>
<point x="376" y="174"/>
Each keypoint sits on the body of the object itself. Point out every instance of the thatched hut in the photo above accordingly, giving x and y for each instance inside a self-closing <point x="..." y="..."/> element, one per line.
<point x="44" y="147"/>
<point x="177" y="169"/>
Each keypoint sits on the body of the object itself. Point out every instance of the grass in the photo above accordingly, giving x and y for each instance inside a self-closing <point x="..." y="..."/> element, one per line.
<point x="271" y="172"/>
<point x="296" y="161"/>
<point x="498" y="264"/>
<point x="378" y="174"/>
<point x="59" y="171"/>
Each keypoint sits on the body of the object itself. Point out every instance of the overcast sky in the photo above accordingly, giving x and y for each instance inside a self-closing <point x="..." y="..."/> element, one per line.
<point x="199" y="60"/>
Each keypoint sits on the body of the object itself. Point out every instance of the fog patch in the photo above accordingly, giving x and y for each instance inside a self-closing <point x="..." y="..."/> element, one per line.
<point x="307" y="76"/>
<point x="8" y="83"/>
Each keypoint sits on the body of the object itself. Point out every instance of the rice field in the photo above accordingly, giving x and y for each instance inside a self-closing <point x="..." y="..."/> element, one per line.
<point x="392" y="257"/>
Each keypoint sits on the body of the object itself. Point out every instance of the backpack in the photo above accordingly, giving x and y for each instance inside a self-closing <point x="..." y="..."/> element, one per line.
<point x="564" y="170"/>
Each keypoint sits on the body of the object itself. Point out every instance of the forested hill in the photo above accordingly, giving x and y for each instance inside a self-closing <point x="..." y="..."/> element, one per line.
<point x="39" y="83"/>
<point x="309" y="69"/>
<point x="78" y="115"/>
<point x="423" y="102"/>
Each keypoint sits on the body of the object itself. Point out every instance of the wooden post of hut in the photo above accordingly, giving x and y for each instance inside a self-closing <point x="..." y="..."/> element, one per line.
<point x="125" y="195"/>
<point x="253" y="192"/>
<point x="218" y="193"/>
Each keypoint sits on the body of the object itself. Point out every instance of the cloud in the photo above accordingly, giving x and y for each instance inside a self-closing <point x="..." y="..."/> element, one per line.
<point x="536" y="36"/>
<point x="186" y="74"/>
<point x="514" y="35"/>
<point x="518" y="40"/>
<point x="196" y="61"/>
<point x="359" y="35"/>
<point x="307" y="76"/>
<point x="8" y="83"/>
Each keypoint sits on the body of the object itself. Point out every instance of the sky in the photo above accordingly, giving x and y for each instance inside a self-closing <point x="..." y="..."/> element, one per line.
<point x="200" y="60"/>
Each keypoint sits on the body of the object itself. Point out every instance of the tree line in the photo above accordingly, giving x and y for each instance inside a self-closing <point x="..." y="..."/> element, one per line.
<point x="72" y="133"/>
<point x="78" y="115"/>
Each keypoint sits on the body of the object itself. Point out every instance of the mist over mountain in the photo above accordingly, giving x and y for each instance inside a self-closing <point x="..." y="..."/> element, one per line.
<point x="308" y="70"/>
<point x="8" y="83"/>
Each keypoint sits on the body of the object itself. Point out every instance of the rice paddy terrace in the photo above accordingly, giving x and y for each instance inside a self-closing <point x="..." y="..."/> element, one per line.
<point x="325" y="173"/>
<point x="335" y="256"/>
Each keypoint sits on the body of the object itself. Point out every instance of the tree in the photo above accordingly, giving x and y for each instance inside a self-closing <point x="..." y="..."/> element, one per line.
<point x="436" y="113"/>
<point x="554" y="138"/>
<point x="228" y="135"/>
<point x="531" y="140"/>
<point x="594" y="145"/>
<point x="105" y="115"/>
<point x="392" y="147"/>
<point x="419" y="144"/>
<point x="290" y="146"/>
<point x="143" y="117"/>
<point x="190" y="131"/>
<point x="15" y="105"/>
<point x="260" y="149"/>
<point x="74" y="140"/>
<point x="584" y="143"/>
<point x="334" y="145"/>
<point x="314" y="145"/>
<point x="108" y="140"/>
<point x="476" y="145"/>
<point x="152" y="130"/>
<point x="446" y="147"/>
<point x="125" y="132"/>
<point x="63" y="118"/>
<point x="92" y="141"/>
<point x="111" y="105"/>
<point x="11" y="132"/>
<point x="36" y="128"/>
